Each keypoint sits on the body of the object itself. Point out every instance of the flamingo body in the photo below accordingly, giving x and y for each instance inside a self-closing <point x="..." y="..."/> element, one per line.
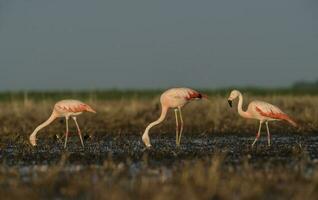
<point x="260" y="110"/>
<point x="264" y="111"/>
<point x="71" y="107"/>
<point x="178" y="97"/>
<point x="64" y="108"/>
<point x="174" y="98"/>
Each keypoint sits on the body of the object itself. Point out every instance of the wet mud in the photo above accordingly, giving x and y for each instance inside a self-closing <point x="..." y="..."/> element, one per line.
<point x="285" y="149"/>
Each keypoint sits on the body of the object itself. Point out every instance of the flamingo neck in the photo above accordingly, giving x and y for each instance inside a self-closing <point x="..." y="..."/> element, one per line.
<point x="240" y="107"/>
<point x="145" y="136"/>
<point x="44" y="124"/>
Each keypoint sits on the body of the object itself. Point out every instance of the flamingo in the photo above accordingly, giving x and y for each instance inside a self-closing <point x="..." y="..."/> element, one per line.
<point x="64" y="108"/>
<point x="262" y="111"/>
<point x="174" y="98"/>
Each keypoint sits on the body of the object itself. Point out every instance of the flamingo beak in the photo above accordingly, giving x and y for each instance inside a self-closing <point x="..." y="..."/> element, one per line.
<point x="230" y="102"/>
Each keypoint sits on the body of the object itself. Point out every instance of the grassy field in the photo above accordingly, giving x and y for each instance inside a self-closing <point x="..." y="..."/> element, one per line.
<point x="130" y="115"/>
<point x="215" y="160"/>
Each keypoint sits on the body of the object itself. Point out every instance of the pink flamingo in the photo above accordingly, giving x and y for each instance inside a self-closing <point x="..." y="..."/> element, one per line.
<point x="173" y="98"/>
<point x="262" y="111"/>
<point x="67" y="109"/>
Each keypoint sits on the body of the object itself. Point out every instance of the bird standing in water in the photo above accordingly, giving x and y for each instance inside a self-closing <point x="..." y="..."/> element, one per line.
<point x="174" y="98"/>
<point x="262" y="111"/>
<point x="67" y="109"/>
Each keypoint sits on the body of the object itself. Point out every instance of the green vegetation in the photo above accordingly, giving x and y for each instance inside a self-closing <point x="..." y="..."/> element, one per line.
<point x="144" y="94"/>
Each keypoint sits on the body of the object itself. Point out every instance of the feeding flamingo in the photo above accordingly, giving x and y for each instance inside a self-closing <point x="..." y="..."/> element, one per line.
<point x="174" y="98"/>
<point x="262" y="111"/>
<point x="67" y="109"/>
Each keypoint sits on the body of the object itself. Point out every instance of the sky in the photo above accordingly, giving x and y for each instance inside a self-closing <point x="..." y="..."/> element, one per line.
<point x="98" y="44"/>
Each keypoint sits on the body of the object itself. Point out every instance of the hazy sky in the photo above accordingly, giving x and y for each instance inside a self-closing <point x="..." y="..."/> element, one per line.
<point x="83" y="44"/>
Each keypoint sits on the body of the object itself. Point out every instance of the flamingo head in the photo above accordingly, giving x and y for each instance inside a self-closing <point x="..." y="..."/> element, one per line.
<point x="32" y="140"/>
<point x="234" y="94"/>
<point x="146" y="140"/>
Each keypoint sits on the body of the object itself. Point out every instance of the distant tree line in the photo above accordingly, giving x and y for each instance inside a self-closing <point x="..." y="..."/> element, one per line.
<point x="306" y="85"/>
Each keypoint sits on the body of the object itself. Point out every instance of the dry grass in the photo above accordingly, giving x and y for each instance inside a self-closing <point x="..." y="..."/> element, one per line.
<point x="208" y="178"/>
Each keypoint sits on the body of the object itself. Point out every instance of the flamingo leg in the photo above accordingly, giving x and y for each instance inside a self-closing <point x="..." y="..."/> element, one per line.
<point x="181" y="129"/>
<point x="177" y="126"/>
<point x="66" y="133"/>
<point x="258" y="133"/>
<point x="268" y="135"/>
<point x="79" y="131"/>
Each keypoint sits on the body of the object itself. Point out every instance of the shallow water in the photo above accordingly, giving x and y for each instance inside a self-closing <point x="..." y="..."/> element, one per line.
<point x="164" y="152"/>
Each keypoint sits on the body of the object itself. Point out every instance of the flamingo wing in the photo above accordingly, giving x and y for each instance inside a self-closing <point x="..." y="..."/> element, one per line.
<point x="270" y="111"/>
<point x="178" y="97"/>
<point x="265" y="108"/>
<point x="184" y="93"/>
<point x="73" y="106"/>
<point x="191" y="94"/>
